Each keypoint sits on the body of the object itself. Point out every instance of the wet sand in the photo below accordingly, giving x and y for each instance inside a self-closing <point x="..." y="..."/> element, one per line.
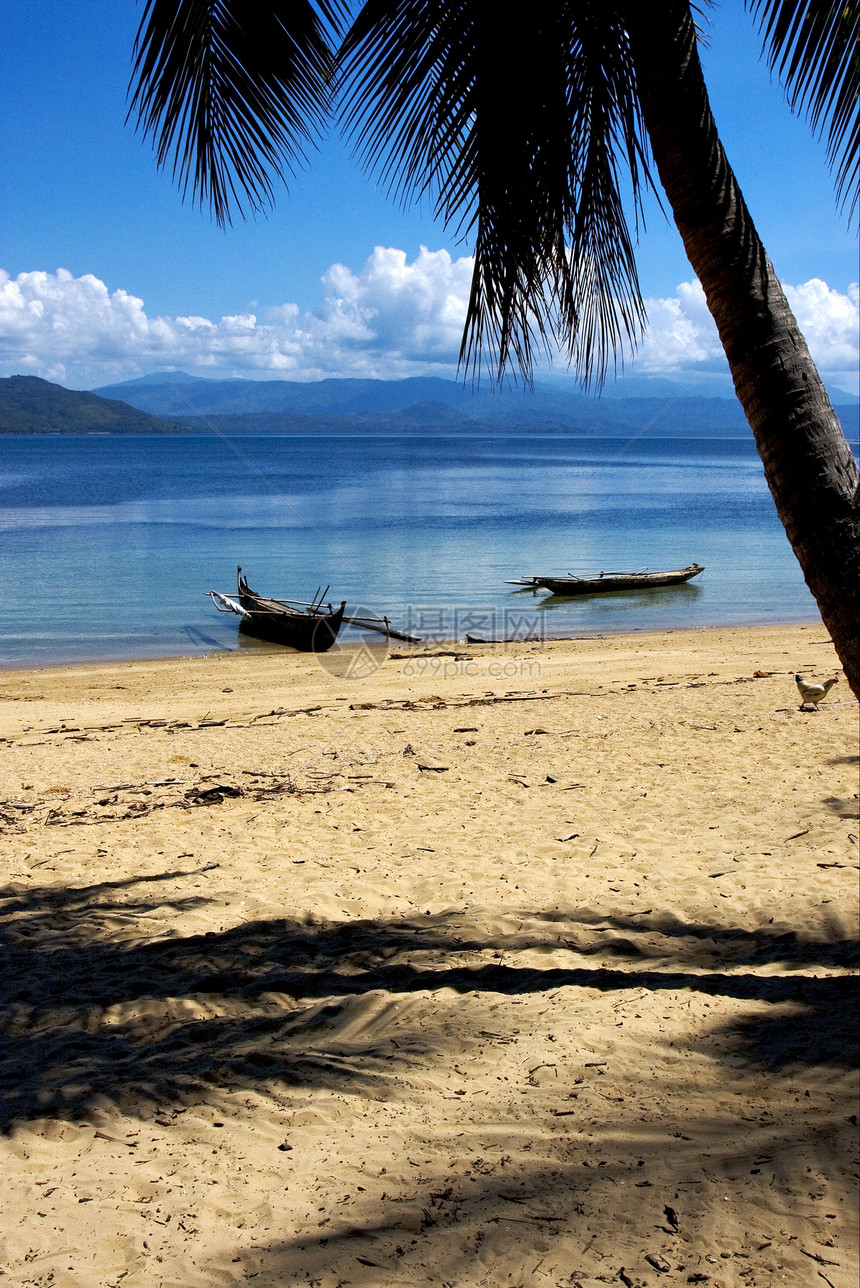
<point x="525" y="965"/>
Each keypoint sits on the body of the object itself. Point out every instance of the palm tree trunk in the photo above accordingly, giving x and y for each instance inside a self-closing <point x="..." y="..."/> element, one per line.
<point x="808" y="463"/>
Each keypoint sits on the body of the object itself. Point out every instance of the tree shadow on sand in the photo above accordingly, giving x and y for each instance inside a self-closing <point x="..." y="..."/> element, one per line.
<point x="91" y="1010"/>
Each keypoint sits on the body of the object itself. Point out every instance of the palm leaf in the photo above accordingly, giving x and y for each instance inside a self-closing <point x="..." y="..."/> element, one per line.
<point x="812" y="45"/>
<point x="233" y="91"/>
<point x="518" y="128"/>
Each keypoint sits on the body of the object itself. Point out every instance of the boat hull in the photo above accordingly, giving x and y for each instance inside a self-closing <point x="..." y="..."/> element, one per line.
<point x="617" y="581"/>
<point x="308" y="634"/>
<point x="310" y="631"/>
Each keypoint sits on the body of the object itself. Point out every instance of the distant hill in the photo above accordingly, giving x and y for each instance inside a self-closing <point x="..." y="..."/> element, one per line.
<point x="428" y="404"/>
<point x="160" y="378"/>
<point x="173" y="396"/>
<point x="29" y="405"/>
<point x="173" y="402"/>
<point x="419" y="403"/>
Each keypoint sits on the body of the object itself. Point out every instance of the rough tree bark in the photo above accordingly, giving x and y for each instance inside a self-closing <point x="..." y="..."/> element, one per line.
<point x="808" y="463"/>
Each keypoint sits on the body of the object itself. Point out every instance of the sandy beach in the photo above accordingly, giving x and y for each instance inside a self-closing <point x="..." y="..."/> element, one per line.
<point x="465" y="965"/>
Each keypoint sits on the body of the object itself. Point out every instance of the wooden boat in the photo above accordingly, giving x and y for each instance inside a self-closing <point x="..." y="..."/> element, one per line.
<point x="607" y="581"/>
<point x="310" y="627"/>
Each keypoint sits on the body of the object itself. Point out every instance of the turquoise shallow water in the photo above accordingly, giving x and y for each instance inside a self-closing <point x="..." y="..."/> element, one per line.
<point x="109" y="543"/>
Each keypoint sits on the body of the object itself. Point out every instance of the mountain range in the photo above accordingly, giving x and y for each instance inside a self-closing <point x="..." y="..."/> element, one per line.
<point x="171" y="402"/>
<point x="422" y="403"/>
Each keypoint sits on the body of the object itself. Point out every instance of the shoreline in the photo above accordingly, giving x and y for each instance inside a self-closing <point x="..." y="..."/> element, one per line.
<point x="259" y="647"/>
<point x="432" y="975"/>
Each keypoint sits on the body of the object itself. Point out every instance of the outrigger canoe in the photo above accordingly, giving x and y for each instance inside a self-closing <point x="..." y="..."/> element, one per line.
<point x="607" y="581"/>
<point x="310" y="627"/>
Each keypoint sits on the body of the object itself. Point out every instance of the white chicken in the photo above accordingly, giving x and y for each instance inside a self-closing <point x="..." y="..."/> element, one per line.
<point x="812" y="694"/>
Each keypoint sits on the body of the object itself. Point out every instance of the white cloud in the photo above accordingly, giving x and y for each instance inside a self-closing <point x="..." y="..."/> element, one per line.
<point x="392" y="318"/>
<point x="681" y="335"/>
<point x="829" y="321"/>
<point x="412" y="312"/>
<point x="682" y="338"/>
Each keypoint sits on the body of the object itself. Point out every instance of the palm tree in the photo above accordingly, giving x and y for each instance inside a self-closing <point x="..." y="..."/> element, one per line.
<point x="520" y="130"/>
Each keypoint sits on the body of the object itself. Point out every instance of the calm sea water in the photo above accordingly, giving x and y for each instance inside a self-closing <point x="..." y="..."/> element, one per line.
<point x="110" y="542"/>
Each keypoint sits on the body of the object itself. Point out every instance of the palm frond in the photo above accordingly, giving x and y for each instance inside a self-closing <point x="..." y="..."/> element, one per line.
<point x="812" y="46"/>
<point x="233" y="91"/>
<point x="519" y="127"/>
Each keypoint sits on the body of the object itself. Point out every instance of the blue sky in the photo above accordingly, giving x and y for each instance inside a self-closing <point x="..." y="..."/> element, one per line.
<point x="107" y="275"/>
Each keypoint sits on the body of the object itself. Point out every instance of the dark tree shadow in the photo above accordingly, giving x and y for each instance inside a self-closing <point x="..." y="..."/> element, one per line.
<point x="493" y="1228"/>
<point x="92" y="1011"/>
<point x="768" y="945"/>
<point x="842" y="806"/>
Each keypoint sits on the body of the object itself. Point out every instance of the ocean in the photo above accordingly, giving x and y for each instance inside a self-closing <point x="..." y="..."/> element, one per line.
<point x="110" y="542"/>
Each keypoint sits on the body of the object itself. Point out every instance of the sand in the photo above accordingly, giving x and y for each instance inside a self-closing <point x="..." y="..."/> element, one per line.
<point x="525" y="965"/>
